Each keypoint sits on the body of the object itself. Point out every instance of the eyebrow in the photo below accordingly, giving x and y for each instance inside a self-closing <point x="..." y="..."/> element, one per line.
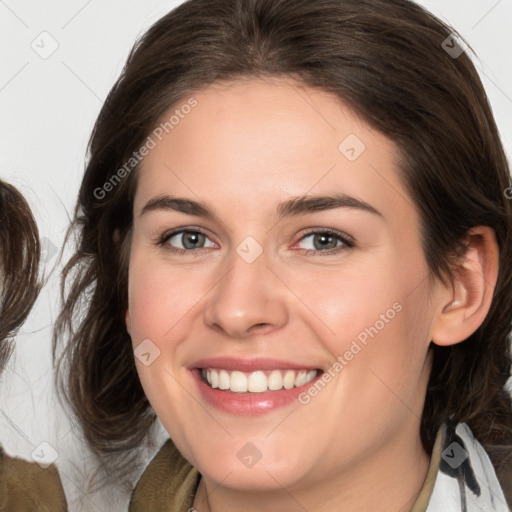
<point x="293" y="207"/>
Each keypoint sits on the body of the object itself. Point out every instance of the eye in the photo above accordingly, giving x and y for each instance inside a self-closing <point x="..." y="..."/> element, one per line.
<point x="326" y="241"/>
<point x="185" y="240"/>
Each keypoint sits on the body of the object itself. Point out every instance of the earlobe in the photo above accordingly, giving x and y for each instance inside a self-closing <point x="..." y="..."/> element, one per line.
<point x="464" y="305"/>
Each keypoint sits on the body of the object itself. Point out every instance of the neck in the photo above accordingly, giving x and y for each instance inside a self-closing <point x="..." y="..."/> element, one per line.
<point x="387" y="481"/>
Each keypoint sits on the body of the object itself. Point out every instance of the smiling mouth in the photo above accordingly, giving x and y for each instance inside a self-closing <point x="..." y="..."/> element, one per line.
<point x="258" y="381"/>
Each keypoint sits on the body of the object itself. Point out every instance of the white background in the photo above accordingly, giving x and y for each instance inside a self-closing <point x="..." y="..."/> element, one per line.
<point x="48" y="108"/>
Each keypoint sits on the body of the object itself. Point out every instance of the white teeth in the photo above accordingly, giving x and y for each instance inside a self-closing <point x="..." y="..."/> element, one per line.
<point x="300" y="380"/>
<point x="289" y="379"/>
<point x="275" y="380"/>
<point x="223" y="379"/>
<point x="238" y="382"/>
<point x="214" y="376"/>
<point x="258" y="381"/>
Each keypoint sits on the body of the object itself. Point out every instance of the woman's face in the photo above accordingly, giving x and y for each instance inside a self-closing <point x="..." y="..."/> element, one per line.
<point x="272" y="237"/>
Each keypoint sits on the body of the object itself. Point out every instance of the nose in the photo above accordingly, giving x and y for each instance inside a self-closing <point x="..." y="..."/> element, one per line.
<point x="248" y="300"/>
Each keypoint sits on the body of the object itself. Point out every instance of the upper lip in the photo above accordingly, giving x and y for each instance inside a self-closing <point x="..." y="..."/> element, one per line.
<point x="250" y="365"/>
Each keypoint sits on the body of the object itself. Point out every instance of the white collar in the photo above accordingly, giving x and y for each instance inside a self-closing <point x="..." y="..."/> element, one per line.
<point x="466" y="480"/>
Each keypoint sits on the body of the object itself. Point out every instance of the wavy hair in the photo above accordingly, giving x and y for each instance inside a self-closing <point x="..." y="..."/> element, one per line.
<point x="19" y="265"/>
<point x="388" y="60"/>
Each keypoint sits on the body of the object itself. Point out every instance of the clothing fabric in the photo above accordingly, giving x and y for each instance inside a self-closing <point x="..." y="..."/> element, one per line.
<point x="168" y="484"/>
<point x="27" y="487"/>
<point x="460" y="478"/>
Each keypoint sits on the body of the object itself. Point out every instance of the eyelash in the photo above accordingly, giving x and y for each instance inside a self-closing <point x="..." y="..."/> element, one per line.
<point x="347" y="241"/>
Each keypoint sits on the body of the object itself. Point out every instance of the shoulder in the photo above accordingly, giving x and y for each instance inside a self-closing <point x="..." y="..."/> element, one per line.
<point x="173" y="476"/>
<point x="26" y="486"/>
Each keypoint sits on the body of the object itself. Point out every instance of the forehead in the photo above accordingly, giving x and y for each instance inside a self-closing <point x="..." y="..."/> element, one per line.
<point x="254" y="142"/>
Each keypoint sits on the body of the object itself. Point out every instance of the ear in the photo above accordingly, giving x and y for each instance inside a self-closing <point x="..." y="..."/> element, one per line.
<point x="463" y="306"/>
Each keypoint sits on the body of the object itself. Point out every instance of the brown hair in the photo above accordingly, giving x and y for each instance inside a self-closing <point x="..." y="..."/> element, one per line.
<point x="19" y="265"/>
<point x="385" y="59"/>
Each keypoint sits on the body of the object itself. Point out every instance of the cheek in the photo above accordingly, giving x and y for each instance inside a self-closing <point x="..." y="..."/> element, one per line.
<point x="368" y="316"/>
<point x="159" y="300"/>
<point x="160" y="304"/>
<point x="346" y="301"/>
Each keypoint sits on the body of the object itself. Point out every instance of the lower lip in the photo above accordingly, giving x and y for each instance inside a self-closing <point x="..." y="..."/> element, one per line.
<point x="249" y="404"/>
